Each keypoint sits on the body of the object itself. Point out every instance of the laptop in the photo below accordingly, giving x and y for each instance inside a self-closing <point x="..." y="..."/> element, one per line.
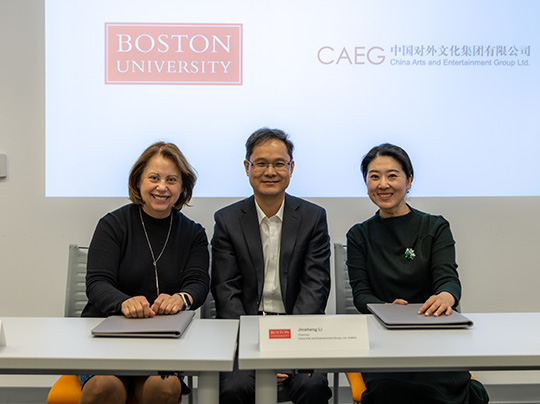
<point x="160" y="326"/>
<point x="406" y="316"/>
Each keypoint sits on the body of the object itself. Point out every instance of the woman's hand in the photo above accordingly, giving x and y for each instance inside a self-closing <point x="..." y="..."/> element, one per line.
<point x="137" y="307"/>
<point x="438" y="304"/>
<point x="168" y="304"/>
<point x="400" y="301"/>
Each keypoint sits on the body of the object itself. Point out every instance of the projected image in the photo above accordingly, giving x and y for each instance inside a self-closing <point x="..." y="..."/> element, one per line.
<point x="455" y="84"/>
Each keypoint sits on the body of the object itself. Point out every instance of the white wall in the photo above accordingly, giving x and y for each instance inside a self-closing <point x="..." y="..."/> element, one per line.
<point x="498" y="239"/>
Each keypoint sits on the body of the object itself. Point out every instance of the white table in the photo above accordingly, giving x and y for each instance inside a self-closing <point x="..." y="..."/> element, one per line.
<point x="502" y="341"/>
<point x="65" y="346"/>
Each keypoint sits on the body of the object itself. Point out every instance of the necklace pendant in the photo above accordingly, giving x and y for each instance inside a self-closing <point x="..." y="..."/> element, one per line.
<point x="409" y="254"/>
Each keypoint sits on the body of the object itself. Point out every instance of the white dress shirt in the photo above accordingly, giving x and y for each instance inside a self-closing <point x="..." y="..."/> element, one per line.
<point x="270" y="229"/>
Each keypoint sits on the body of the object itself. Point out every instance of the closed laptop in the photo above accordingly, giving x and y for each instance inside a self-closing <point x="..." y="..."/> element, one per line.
<point x="406" y="316"/>
<point x="165" y="326"/>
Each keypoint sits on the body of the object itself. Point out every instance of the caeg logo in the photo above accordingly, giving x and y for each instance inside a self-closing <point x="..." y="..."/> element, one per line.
<point x="147" y="53"/>
<point x="279" y="333"/>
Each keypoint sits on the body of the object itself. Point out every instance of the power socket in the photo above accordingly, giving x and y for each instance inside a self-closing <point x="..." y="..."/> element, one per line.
<point x="3" y="166"/>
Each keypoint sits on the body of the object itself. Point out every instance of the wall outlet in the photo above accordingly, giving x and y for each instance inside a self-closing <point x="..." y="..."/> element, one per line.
<point x="3" y="166"/>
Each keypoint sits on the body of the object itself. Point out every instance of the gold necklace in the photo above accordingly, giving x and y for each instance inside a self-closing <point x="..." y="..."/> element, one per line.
<point x="152" y="251"/>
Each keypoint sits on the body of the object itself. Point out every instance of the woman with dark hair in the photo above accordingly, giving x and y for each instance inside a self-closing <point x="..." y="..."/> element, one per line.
<point x="401" y="256"/>
<point x="147" y="259"/>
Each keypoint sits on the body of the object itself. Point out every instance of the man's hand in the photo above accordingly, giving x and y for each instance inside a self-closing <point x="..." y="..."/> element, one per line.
<point x="281" y="377"/>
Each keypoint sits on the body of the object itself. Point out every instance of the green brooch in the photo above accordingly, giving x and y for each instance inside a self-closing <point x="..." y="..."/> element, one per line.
<point x="409" y="254"/>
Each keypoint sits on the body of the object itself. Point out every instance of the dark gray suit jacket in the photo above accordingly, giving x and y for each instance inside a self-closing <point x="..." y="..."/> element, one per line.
<point x="238" y="263"/>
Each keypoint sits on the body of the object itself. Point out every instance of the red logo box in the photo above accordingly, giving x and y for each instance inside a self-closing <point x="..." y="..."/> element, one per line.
<point x="147" y="53"/>
<point x="279" y="333"/>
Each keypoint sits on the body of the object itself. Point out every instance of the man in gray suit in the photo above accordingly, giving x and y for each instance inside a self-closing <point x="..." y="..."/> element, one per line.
<point x="271" y="255"/>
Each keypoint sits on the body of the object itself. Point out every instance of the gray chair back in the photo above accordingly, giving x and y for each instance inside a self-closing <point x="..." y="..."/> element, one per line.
<point x="76" y="281"/>
<point x="344" y="297"/>
<point x="208" y="309"/>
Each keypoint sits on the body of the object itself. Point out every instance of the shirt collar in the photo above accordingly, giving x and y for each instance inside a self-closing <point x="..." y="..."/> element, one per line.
<point x="261" y="215"/>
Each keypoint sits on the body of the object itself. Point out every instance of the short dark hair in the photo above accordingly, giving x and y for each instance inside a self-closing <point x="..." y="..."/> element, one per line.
<point x="173" y="153"/>
<point x="265" y="134"/>
<point x="390" y="150"/>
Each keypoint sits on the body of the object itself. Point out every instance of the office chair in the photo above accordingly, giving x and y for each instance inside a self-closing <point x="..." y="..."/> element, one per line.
<point x="67" y="389"/>
<point x="345" y="305"/>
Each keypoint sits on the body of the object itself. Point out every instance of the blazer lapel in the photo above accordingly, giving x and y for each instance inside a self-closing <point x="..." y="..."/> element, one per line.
<point x="289" y="232"/>
<point x="250" y="228"/>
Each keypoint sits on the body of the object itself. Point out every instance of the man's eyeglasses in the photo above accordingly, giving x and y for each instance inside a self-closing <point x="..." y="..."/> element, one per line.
<point x="279" y="165"/>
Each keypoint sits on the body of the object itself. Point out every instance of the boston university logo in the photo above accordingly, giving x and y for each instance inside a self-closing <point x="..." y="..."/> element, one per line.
<point x="279" y="333"/>
<point x="148" y="53"/>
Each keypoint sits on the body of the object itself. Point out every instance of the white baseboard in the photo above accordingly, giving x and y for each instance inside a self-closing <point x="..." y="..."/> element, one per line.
<point x="28" y="380"/>
<point x="514" y="377"/>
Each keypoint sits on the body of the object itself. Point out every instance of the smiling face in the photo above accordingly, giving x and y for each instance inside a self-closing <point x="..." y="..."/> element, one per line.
<point x="387" y="186"/>
<point x="269" y="182"/>
<point x="160" y="186"/>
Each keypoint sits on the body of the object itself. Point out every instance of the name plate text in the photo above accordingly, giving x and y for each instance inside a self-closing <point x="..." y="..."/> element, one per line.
<point x="313" y="332"/>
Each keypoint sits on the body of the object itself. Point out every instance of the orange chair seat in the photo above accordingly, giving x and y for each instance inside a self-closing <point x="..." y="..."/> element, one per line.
<point x="66" y="390"/>
<point x="357" y="385"/>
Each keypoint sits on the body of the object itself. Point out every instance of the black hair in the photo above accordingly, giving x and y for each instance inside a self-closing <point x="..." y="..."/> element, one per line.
<point x="265" y="134"/>
<point x="390" y="150"/>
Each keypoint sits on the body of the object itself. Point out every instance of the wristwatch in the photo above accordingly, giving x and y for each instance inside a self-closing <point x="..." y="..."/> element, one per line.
<point x="187" y="304"/>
